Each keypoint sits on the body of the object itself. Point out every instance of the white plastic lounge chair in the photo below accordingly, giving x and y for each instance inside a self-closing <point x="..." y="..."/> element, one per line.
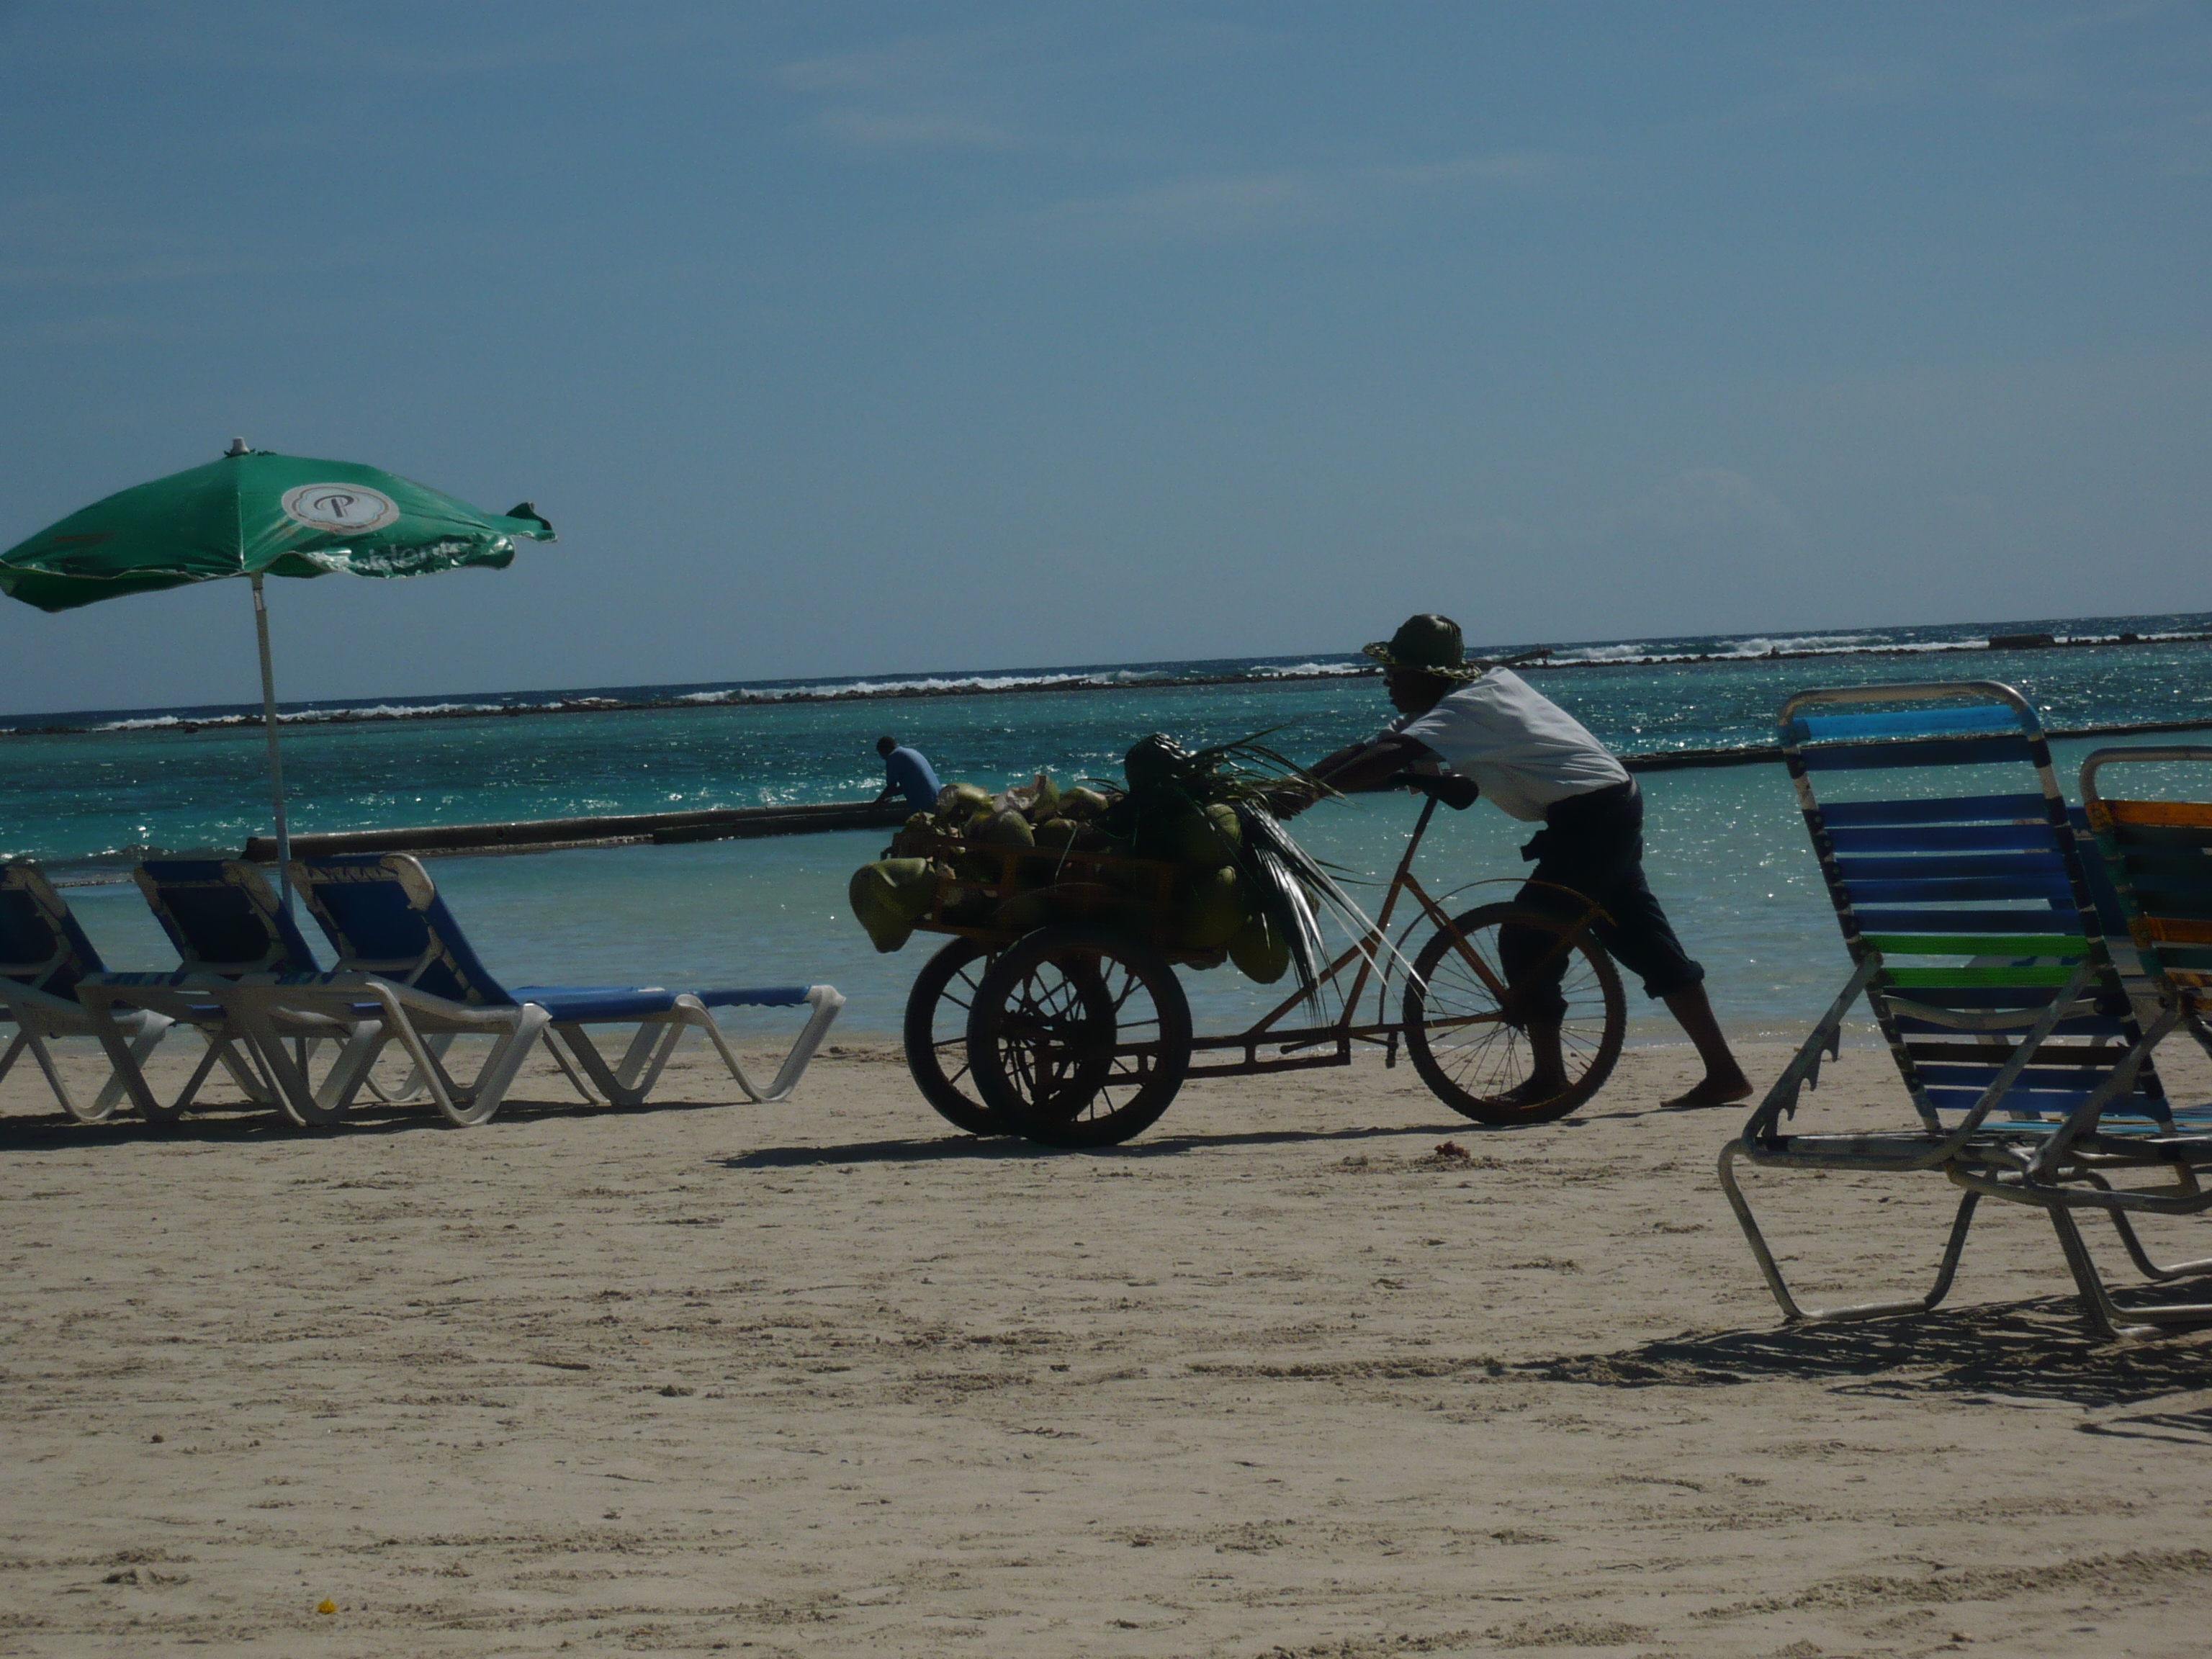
<point x="226" y="925"/>
<point x="399" y="947"/>
<point x="44" y="955"/>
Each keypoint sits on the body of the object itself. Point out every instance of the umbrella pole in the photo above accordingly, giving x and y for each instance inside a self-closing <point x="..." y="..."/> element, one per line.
<point x="275" y="756"/>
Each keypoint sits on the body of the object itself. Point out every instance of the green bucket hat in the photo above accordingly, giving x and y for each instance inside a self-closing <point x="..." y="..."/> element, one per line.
<point x="1428" y="644"/>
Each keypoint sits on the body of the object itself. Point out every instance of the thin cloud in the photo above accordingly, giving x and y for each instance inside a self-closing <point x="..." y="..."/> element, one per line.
<point x="863" y="128"/>
<point x="1226" y="207"/>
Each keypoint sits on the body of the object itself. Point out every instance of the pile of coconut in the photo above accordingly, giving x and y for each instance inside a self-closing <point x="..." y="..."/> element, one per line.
<point x="1239" y="889"/>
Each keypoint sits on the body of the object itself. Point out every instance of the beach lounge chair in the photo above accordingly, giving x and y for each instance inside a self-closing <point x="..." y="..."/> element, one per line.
<point x="1974" y="937"/>
<point x="2158" y="855"/>
<point x="44" y="955"/>
<point x="399" y="947"/>
<point x="226" y="924"/>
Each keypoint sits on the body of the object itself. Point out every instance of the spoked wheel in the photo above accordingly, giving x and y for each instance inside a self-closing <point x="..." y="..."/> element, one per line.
<point x="937" y="1035"/>
<point x="1080" y="1037"/>
<point x="1468" y="1029"/>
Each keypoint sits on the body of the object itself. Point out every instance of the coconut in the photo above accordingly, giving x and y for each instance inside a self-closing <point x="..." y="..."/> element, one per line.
<point x="1004" y="828"/>
<point x="890" y="896"/>
<point x="1212" y="911"/>
<point x="1055" y="832"/>
<point x="1210" y="838"/>
<point x="957" y="803"/>
<point x="1154" y="762"/>
<point x="1258" y="951"/>
<point x="1040" y="801"/>
<point x="915" y="839"/>
<point x="1080" y="804"/>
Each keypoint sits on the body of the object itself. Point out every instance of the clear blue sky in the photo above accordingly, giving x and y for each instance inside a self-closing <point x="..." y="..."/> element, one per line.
<point x="844" y="339"/>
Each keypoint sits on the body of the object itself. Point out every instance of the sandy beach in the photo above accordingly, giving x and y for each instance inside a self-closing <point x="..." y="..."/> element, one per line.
<point x="1280" y="1378"/>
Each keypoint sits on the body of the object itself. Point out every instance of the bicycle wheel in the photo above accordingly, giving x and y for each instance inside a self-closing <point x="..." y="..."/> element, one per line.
<point x="936" y="1033"/>
<point x="1080" y="1037"/>
<point x="1469" y="1039"/>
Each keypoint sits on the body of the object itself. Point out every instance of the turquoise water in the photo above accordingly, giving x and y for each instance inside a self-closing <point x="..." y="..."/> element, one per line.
<point x="1727" y="852"/>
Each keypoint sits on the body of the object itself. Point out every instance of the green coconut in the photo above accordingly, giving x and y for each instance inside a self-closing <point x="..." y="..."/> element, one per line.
<point x="1211" y="910"/>
<point x="1081" y="803"/>
<point x="1004" y="828"/>
<point x="1153" y="762"/>
<point x="889" y="897"/>
<point x="1260" y="952"/>
<point x="1044" y="800"/>
<point x="915" y="839"/>
<point x="1209" y="839"/>
<point x="958" y="803"/>
<point x="1055" y="832"/>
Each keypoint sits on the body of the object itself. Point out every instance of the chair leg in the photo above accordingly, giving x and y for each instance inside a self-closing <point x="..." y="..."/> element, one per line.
<point x="556" y="1045"/>
<point x="37" y="1045"/>
<point x="648" y="1054"/>
<point x="123" y="1055"/>
<point x="2133" y="1244"/>
<point x="825" y="1003"/>
<point x="113" y="1091"/>
<point x="243" y="1077"/>
<point x="413" y="1083"/>
<point x="213" y="1052"/>
<point x="500" y="1068"/>
<point x="1795" y="1315"/>
<point x="594" y="1064"/>
<point x="2106" y="1317"/>
<point x="350" y="1070"/>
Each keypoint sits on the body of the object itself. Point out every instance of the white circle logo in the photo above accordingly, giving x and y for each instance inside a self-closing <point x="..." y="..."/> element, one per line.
<point x="344" y="509"/>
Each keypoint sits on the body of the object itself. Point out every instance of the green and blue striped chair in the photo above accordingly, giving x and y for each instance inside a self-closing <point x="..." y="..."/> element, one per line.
<point x="1972" y="925"/>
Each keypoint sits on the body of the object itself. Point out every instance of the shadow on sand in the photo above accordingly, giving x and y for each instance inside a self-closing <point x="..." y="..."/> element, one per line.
<point x="1993" y="1353"/>
<point x="953" y="1147"/>
<point x="58" y="1132"/>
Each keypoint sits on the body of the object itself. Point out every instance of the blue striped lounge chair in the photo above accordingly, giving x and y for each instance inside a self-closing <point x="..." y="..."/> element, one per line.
<point x="399" y="946"/>
<point x="44" y="956"/>
<point x="1974" y="937"/>
<point x="226" y="924"/>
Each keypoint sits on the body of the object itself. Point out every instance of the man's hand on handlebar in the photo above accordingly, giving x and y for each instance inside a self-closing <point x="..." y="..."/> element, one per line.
<point x="1454" y="791"/>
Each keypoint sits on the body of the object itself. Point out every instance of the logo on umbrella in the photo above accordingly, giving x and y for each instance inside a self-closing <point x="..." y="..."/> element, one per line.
<point x="344" y="509"/>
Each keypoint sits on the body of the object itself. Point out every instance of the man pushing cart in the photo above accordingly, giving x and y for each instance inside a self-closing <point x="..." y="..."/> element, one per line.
<point x="1489" y="728"/>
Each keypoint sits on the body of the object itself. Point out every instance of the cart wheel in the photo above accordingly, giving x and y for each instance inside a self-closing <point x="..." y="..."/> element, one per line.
<point x="1080" y="1037"/>
<point x="1467" y="1039"/>
<point x="937" y="1035"/>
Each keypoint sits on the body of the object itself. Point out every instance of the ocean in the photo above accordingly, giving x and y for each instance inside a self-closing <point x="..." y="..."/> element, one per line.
<point x="87" y="793"/>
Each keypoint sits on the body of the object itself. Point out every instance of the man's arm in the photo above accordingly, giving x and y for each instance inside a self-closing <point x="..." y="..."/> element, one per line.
<point x="890" y="789"/>
<point x="1362" y="766"/>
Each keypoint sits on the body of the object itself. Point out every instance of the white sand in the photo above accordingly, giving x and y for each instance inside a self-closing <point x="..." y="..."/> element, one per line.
<point x="824" y="1378"/>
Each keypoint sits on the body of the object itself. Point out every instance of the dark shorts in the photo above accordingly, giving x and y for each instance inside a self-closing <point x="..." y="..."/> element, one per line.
<point x="1594" y="843"/>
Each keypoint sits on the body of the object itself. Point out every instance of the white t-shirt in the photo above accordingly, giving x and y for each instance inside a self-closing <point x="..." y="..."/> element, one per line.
<point x="1523" y="750"/>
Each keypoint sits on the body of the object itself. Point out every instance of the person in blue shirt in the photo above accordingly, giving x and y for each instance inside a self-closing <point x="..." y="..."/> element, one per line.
<point x="910" y="775"/>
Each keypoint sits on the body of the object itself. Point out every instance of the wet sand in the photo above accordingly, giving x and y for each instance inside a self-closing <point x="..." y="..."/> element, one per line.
<point x="829" y="1378"/>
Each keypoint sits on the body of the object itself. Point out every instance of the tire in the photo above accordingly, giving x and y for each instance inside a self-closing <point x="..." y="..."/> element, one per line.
<point x="936" y="1033"/>
<point x="1080" y="1037"/>
<point x="1477" y="1063"/>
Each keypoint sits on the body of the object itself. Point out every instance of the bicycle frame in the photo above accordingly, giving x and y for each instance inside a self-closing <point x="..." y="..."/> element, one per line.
<point x="1340" y="1034"/>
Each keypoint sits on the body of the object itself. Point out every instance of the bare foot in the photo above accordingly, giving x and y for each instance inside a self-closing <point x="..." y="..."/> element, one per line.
<point x="1712" y="1092"/>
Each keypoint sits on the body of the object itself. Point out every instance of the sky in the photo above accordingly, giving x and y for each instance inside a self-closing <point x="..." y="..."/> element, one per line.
<point x="850" y="338"/>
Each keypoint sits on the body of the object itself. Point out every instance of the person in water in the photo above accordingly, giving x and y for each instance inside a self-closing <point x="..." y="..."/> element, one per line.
<point x="910" y="775"/>
<point x="1500" y="737"/>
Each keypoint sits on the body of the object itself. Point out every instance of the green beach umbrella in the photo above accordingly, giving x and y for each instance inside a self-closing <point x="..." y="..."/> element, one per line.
<point x="254" y="514"/>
